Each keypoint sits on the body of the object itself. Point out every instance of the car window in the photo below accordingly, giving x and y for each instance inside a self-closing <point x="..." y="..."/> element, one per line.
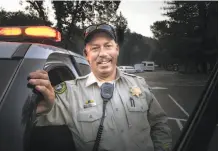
<point x="83" y="66"/>
<point x="8" y="68"/>
<point x="59" y="72"/>
<point x="84" y="69"/>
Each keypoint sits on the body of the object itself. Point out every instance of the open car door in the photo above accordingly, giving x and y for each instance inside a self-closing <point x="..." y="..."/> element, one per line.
<point x="201" y="130"/>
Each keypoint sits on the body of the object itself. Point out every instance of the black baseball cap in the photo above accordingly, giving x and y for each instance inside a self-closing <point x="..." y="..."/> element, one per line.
<point x="90" y="31"/>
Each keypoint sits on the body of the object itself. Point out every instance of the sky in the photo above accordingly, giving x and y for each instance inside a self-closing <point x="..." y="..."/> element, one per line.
<point x="140" y="14"/>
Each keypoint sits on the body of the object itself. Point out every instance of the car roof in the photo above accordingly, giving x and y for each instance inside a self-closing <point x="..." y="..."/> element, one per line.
<point x="9" y="49"/>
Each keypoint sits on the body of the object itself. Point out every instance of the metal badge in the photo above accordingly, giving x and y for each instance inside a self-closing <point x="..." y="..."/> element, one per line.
<point x="135" y="91"/>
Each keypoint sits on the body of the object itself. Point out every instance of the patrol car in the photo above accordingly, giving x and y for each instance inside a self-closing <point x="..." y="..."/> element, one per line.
<point x="24" y="50"/>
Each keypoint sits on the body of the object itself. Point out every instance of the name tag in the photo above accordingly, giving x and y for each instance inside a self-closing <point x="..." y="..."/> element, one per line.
<point x="89" y="103"/>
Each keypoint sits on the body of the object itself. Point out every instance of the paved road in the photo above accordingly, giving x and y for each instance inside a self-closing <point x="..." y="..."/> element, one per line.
<point x="177" y="94"/>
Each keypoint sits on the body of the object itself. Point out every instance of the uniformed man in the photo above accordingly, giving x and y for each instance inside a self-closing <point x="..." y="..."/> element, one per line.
<point x="134" y="120"/>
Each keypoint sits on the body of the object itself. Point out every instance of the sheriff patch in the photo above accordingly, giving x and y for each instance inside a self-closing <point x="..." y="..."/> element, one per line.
<point x="60" y="88"/>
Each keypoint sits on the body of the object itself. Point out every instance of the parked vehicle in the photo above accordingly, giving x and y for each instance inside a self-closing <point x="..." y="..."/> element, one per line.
<point x="139" y="67"/>
<point x="148" y="65"/>
<point x="173" y="67"/>
<point x="18" y="101"/>
<point x="127" y="69"/>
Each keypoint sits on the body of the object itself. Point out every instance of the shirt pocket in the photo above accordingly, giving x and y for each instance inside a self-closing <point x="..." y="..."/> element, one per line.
<point x="137" y="113"/>
<point x="89" y="121"/>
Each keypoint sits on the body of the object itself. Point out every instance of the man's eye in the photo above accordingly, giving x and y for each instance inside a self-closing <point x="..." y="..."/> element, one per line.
<point x="94" y="48"/>
<point x="108" y="46"/>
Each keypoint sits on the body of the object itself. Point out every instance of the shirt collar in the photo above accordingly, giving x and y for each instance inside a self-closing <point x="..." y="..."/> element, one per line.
<point x="92" y="79"/>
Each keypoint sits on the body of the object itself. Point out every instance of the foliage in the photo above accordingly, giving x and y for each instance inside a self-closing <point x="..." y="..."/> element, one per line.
<point x="20" y="19"/>
<point x="190" y="33"/>
<point x="73" y="16"/>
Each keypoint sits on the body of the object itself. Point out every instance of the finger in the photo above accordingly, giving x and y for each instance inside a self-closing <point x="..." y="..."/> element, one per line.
<point x="47" y="94"/>
<point x="38" y="75"/>
<point x="40" y="82"/>
<point x="41" y="107"/>
<point x="42" y="71"/>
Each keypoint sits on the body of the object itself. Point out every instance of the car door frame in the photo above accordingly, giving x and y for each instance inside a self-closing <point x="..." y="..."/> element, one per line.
<point x="199" y="129"/>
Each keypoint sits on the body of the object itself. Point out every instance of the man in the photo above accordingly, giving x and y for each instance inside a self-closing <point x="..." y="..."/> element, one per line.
<point x="134" y="120"/>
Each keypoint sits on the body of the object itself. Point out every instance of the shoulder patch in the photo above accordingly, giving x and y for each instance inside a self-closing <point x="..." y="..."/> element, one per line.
<point x="60" y="88"/>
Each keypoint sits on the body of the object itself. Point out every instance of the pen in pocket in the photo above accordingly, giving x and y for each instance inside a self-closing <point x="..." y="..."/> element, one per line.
<point x="132" y="102"/>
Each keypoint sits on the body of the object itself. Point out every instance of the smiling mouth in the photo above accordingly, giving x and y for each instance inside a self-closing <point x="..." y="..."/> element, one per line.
<point x="104" y="62"/>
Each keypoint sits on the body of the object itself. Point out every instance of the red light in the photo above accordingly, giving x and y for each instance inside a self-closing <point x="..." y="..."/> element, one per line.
<point x="58" y="36"/>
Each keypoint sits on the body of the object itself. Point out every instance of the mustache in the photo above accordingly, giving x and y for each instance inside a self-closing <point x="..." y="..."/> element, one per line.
<point x="106" y="59"/>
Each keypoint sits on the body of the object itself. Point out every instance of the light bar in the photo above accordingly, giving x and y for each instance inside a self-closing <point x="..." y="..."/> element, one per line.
<point x="42" y="31"/>
<point x="10" y="31"/>
<point x="31" y="31"/>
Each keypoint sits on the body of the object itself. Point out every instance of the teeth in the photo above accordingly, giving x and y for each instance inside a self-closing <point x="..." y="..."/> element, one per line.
<point x="104" y="62"/>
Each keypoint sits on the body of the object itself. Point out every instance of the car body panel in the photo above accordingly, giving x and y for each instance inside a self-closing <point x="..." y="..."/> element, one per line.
<point x="43" y="51"/>
<point x="12" y="115"/>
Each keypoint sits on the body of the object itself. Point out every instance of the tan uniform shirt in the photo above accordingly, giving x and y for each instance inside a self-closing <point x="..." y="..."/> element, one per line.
<point x="128" y="126"/>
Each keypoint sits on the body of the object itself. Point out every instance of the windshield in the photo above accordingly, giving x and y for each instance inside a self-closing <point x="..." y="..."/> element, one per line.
<point x="150" y="64"/>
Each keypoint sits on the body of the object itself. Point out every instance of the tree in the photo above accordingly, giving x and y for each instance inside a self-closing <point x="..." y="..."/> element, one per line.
<point x="189" y="34"/>
<point x="73" y="16"/>
<point x="19" y="19"/>
<point x="136" y="48"/>
<point x="38" y="9"/>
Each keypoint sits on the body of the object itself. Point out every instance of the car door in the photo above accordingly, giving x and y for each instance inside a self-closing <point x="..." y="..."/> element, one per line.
<point x="200" y="132"/>
<point x="59" y="68"/>
<point x="14" y="111"/>
<point x="17" y="108"/>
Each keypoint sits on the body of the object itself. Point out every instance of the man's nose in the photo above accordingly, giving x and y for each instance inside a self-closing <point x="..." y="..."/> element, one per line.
<point x="102" y="52"/>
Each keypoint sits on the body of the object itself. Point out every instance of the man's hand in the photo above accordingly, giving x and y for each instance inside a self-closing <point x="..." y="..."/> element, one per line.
<point x="40" y="80"/>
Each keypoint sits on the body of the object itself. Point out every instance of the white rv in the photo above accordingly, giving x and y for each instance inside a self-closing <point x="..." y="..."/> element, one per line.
<point x="148" y="65"/>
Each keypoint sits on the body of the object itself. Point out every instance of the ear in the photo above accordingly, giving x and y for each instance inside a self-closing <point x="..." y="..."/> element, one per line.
<point x="85" y="52"/>
<point x="85" y="55"/>
<point x="117" y="48"/>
